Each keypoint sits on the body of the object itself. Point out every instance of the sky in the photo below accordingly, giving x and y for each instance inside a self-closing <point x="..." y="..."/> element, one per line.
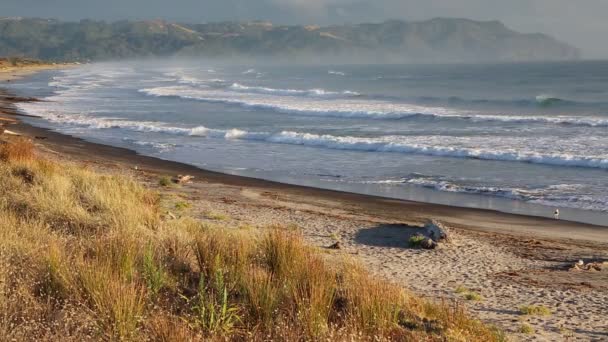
<point x="581" y="23"/>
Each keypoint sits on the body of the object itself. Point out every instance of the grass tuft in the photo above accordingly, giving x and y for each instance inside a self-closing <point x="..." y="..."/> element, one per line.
<point x="535" y="310"/>
<point x="473" y="296"/>
<point x="165" y="181"/>
<point x="461" y="289"/>
<point x="217" y="216"/>
<point x="526" y="329"/>
<point x="153" y="271"/>
<point x="18" y="150"/>
<point x="182" y="205"/>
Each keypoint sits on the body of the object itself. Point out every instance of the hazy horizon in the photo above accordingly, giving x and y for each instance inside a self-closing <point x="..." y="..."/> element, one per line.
<point x="579" y="24"/>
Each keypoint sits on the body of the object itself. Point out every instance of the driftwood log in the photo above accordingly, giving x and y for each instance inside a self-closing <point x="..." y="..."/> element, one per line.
<point x="428" y="244"/>
<point x="437" y="231"/>
<point x="336" y="245"/>
<point x="183" y="179"/>
<point x="591" y="266"/>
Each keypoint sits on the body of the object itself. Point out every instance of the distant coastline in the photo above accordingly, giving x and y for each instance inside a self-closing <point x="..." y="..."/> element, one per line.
<point x="439" y="40"/>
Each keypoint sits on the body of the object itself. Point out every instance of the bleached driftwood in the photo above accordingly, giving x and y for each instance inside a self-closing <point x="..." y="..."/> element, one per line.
<point x="6" y="131"/>
<point x="428" y="244"/>
<point x="183" y="179"/>
<point x="591" y="266"/>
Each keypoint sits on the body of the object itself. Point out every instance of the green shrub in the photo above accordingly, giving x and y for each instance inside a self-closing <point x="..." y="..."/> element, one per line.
<point x="535" y="310"/>
<point x="526" y="329"/>
<point x="165" y="181"/>
<point x="461" y="289"/>
<point x="416" y="240"/>
<point x="474" y="296"/>
<point x="182" y="205"/>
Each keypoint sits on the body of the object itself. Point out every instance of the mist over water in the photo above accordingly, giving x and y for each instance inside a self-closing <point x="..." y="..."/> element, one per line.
<point x="495" y="134"/>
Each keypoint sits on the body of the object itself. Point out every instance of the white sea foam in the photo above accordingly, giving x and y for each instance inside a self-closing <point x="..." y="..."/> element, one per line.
<point x="290" y="92"/>
<point x="355" y="108"/>
<point x="161" y="147"/>
<point x="337" y="73"/>
<point x="557" y="195"/>
<point x="422" y="145"/>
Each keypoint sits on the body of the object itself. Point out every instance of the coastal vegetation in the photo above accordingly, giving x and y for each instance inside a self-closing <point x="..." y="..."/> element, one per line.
<point x="438" y="40"/>
<point x="526" y="329"/>
<point x="535" y="310"/>
<point x="89" y="255"/>
<point x="13" y="62"/>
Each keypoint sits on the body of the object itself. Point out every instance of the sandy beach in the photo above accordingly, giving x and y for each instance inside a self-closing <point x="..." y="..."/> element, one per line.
<point x="12" y="73"/>
<point x="509" y="260"/>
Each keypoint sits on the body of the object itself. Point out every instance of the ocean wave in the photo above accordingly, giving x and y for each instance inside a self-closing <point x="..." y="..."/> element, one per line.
<point x="337" y="73"/>
<point x="558" y="195"/>
<point x="161" y="147"/>
<point x="253" y="72"/>
<point x="290" y="92"/>
<point x="539" y="101"/>
<point x="411" y="145"/>
<point x="545" y="100"/>
<point x="360" y="108"/>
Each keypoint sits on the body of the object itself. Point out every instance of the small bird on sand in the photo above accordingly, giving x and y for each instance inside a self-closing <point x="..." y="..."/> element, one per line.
<point x="556" y="214"/>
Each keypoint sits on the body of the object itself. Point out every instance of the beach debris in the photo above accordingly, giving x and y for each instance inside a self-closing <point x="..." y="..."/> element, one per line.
<point x="437" y="231"/>
<point x="183" y="179"/>
<point x="419" y="240"/>
<point x="170" y="216"/>
<point x="228" y="200"/>
<point x="590" y="266"/>
<point x="335" y="245"/>
<point x="428" y="243"/>
<point x="6" y="131"/>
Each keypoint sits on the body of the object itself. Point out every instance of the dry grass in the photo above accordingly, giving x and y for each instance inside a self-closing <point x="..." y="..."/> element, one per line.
<point x="86" y="256"/>
<point x="20" y="150"/>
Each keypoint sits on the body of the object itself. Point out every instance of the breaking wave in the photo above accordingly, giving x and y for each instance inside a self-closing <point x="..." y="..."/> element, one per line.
<point x="337" y="73"/>
<point x="559" y="195"/>
<point x="355" y="108"/>
<point x="290" y="92"/>
<point x="409" y="145"/>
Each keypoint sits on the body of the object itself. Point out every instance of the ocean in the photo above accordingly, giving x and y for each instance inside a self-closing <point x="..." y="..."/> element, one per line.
<point x="520" y="138"/>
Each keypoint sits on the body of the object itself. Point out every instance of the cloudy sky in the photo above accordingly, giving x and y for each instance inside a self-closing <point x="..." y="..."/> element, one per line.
<point x="581" y="23"/>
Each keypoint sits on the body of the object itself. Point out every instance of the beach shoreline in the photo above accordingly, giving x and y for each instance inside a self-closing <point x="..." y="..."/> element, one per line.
<point x="410" y="212"/>
<point x="510" y="259"/>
